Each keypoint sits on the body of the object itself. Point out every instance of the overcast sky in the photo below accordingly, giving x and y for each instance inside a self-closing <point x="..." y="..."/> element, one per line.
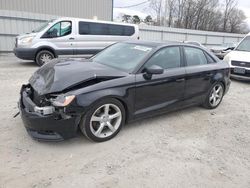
<point x="144" y="10"/>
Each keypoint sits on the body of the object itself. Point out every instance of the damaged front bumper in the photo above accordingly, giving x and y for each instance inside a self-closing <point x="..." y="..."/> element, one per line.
<point x="46" y="123"/>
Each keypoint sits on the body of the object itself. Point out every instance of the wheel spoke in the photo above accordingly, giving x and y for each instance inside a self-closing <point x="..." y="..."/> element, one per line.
<point x="211" y="98"/>
<point x="213" y="101"/>
<point x="95" y="118"/>
<point x="110" y="126"/>
<point x="218" y="90"/>
<point x="217" y="96"/>
<point x="115" y="115"/>
<point x="99" y="130"/>
<point x="214" y="90"/>
<point x="106" y="109"/>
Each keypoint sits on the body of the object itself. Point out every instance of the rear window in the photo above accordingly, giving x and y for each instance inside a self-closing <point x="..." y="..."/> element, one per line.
<point x="195" y="56"/>
<point x="89" y="28"/>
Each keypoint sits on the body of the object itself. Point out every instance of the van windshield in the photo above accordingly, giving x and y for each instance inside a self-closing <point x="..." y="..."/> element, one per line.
<point x="244" y="45"/>
<point x="43" y="26"/>
<point x="123" y="56"/>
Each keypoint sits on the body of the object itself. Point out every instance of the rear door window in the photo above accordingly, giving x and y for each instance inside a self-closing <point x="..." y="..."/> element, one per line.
<point x="115" y="30"/>
<point x="195" y="56"/>
<point x="89" y="28"/>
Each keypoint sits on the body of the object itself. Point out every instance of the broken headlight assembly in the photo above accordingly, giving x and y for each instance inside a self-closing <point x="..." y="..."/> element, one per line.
<point x="63" y="101"/>
<point x="59" y="101"/>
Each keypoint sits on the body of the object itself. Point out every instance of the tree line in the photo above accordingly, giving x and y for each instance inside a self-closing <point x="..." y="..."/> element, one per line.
<point x="209" y="15"/>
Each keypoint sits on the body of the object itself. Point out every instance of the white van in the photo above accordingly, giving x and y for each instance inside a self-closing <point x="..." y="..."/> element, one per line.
<point x="239" y="59"/>
<point x="71" y="36"/>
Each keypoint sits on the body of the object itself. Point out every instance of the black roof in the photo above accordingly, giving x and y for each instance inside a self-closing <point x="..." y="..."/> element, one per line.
<point x="156" y="44"/>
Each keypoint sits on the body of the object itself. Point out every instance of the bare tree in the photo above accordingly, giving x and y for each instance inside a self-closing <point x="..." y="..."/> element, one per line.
<point x="180" y="12"/>
<point x="236" y="20"/>
<point x="148" y="20"/>
<point x="170" y="9"/>
<point x="136" y="19"/>
<point x="126" y="18"/>
<point x="208" y="15"/>
<point x="229" y="6"/>
<point x="157" y="6"/>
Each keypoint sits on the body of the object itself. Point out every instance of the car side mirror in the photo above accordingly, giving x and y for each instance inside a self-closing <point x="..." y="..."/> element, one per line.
<point x="154" y="69"/>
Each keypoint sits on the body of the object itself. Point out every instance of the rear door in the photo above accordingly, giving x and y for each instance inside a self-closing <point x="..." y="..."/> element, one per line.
<point x="200" y="69"/>
<point x="162" y="90"/>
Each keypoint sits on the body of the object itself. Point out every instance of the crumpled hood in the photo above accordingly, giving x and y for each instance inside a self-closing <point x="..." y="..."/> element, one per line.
<point x="59" y="75"/>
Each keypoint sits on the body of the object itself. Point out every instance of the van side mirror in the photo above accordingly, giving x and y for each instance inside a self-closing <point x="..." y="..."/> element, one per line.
<point x="53" y="33"/>
<point x="50" y="34"/>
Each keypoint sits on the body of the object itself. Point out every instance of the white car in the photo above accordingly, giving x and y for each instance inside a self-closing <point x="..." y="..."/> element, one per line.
<point x="71" y="36"/>
<point x="239" y="60"/>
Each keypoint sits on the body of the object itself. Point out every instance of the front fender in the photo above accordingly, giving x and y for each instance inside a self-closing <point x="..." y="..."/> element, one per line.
<point x="44" y="44"/>
<point x="124" y="95"/>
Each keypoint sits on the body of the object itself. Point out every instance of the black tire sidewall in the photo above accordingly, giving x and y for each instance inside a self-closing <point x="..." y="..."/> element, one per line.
<point x="85" y="123"/>
<point x="207" y="103"/>
<point x="38" y="55"/>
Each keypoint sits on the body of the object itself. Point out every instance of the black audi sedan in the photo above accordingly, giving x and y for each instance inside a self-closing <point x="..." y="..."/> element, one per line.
<point x="124" y="82"/>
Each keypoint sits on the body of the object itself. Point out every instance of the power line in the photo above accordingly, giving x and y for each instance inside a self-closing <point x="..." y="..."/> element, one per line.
<point x="144" y="2"/>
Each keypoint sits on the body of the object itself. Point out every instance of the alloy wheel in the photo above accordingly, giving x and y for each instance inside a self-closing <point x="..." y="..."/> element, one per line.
<point x="106" y="120"/>
<point x="216" y="95"/>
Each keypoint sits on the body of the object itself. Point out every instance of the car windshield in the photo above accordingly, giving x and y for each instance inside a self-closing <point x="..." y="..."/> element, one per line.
<point x="123" y="56"/>
<point x="244" y="45"/>
<point x="43" y="26"/>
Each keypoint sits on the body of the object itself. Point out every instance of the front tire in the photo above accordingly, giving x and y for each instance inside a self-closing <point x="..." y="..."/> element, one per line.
<point x="104" y="120"/>
<point x="43" y="57"/>
<point x="215" y="96"/>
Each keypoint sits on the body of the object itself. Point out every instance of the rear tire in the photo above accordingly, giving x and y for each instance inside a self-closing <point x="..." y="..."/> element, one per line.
<point x="215" y="96"/>
<point x="104" y="120"/>
<point x="43" y="57"/>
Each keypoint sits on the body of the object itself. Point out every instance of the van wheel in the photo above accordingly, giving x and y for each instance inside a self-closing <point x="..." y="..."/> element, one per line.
<point x="43" y="57"/>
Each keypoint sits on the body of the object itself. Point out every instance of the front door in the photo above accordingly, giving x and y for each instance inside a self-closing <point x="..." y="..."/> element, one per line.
<point x="61" y="37"/>
<point x="163" y="90"/>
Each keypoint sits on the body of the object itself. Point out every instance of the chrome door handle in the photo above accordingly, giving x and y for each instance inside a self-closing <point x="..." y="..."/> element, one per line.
<point x="180" y="80"/>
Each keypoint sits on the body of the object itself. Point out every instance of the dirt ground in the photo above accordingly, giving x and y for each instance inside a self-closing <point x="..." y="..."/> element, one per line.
<point x="194" y="147"/>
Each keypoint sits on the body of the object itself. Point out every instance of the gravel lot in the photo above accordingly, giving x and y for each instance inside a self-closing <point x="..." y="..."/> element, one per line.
<point x="194" y="147"/>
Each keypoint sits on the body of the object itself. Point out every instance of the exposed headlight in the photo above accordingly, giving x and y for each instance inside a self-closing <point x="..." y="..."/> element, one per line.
<point x="26" y="40"/>
<point x="62" y="101"/>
